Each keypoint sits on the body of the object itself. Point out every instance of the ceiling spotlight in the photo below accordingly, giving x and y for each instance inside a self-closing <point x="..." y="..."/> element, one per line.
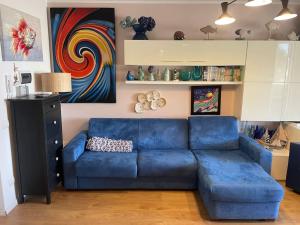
<point x="254" y="3"/>
<point x="285" y="13"/>
<point x="225" y="18"/>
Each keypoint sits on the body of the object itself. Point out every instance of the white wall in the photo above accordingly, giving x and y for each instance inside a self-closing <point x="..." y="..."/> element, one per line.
<point x="36" y="8"/>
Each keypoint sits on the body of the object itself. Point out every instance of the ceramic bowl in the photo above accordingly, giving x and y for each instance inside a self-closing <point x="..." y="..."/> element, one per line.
<point x="185" y="75"/>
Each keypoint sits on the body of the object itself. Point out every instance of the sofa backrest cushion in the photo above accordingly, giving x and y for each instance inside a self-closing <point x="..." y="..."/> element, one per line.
<point x="163" y="134"/>
<point x="125" y="129"/>
<point x="213" y="132"/>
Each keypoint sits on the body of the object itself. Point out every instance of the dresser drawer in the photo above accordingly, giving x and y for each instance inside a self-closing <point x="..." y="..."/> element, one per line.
<point x="55" y="162"/>
<point x="53" y="123"/>
<point x="54" y="144"/>
<point x="51" y="106"/>
<point x="54" y="167"/>
<point x="55" y="170"/>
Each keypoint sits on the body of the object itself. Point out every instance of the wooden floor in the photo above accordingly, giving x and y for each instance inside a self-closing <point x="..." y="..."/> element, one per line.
<point x="131" y="208"/>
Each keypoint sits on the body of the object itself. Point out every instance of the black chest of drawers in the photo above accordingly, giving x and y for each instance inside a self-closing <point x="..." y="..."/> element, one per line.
<point x="293" y="172"/>
<point x="37" y="143"/>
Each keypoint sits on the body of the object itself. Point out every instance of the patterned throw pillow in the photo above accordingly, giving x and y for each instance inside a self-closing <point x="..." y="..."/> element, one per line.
<point x="105" y="144"/>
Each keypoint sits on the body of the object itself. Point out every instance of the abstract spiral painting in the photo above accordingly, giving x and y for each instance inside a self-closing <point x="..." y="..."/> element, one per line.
<point x="83" y="44"/>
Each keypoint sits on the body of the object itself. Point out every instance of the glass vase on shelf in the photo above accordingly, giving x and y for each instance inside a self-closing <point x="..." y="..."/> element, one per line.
<point x="222" y="73"/>
<point x="141" y="74"/>
<point x="167" y="74"/>
<point x="151" y="73"/>
<point x="140" y="32"/>
<point x="175" y="75"/>
<point x="158" y="75"/>
<point x="197" y="73"/>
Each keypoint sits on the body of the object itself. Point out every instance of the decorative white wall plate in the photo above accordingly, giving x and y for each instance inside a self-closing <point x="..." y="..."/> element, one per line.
<point x="150" y="101"/>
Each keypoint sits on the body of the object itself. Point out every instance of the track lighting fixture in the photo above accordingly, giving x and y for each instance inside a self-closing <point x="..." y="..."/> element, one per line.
<point x="225" y="18"/>
<point x="285" y="13"/>
<point x="254" y="3"/>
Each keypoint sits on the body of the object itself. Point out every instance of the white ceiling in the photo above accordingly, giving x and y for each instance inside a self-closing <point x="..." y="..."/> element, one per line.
<point x="160" y="1"/>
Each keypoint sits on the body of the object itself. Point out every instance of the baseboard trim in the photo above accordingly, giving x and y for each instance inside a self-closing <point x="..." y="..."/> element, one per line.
<point x="13" y="204"/>
<point x="2" y="213"/>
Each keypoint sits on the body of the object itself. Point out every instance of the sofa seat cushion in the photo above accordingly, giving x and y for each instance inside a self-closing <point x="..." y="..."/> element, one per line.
<point x="231" y="176"/>
<point x="107" y="164"/>
<point x="167" y="163"/>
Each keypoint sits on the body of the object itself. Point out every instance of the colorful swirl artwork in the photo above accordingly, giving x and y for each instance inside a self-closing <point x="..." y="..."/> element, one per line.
<point x="83" y="44"/>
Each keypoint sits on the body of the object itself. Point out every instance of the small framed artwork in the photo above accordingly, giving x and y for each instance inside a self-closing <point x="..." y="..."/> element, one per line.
<point x="206" y="100"/>
<point x="21" y="36"/>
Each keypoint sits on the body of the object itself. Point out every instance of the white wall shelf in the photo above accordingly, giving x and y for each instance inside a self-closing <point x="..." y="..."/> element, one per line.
<point x="190" y="83"/>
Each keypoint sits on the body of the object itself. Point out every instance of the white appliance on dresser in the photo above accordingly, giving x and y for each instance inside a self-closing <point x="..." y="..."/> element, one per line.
<point x="281" y="157"/>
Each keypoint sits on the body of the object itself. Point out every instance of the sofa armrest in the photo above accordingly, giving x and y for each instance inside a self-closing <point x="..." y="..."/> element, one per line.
<point x="256" y="152"/>
<point x="71" y="152"/>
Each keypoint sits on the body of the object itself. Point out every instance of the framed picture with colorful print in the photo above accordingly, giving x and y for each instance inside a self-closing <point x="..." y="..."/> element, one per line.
<point x="83" y="44"/>
<point x="20" y="36"/>
<point x="206" y="100"/>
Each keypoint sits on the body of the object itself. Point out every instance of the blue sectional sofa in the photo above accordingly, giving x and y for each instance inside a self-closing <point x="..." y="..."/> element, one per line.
<point x="229" y="170"/>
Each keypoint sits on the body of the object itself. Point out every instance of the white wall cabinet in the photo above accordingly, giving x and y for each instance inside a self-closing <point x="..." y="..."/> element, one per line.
<point x="267" y="61"/>
<point x="272" y="82"/>
<point x="262" y="101"/>
<point x="184" y="53"/>
<point x="294" y="65"/>
<point x="291" y="107"/>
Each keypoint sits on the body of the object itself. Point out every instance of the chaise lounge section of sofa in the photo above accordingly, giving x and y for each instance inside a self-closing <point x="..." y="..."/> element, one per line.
<point x="233" y="171"/>
<point x="230" y="170"/>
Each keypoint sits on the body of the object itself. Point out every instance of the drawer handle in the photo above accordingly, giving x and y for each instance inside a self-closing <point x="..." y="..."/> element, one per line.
<point x="57" y="175"/>
<point x="54" y="122"/>
<point x="56" y="158"/>
<point x="56" y="142"/>
<point x="53" y="106"/>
